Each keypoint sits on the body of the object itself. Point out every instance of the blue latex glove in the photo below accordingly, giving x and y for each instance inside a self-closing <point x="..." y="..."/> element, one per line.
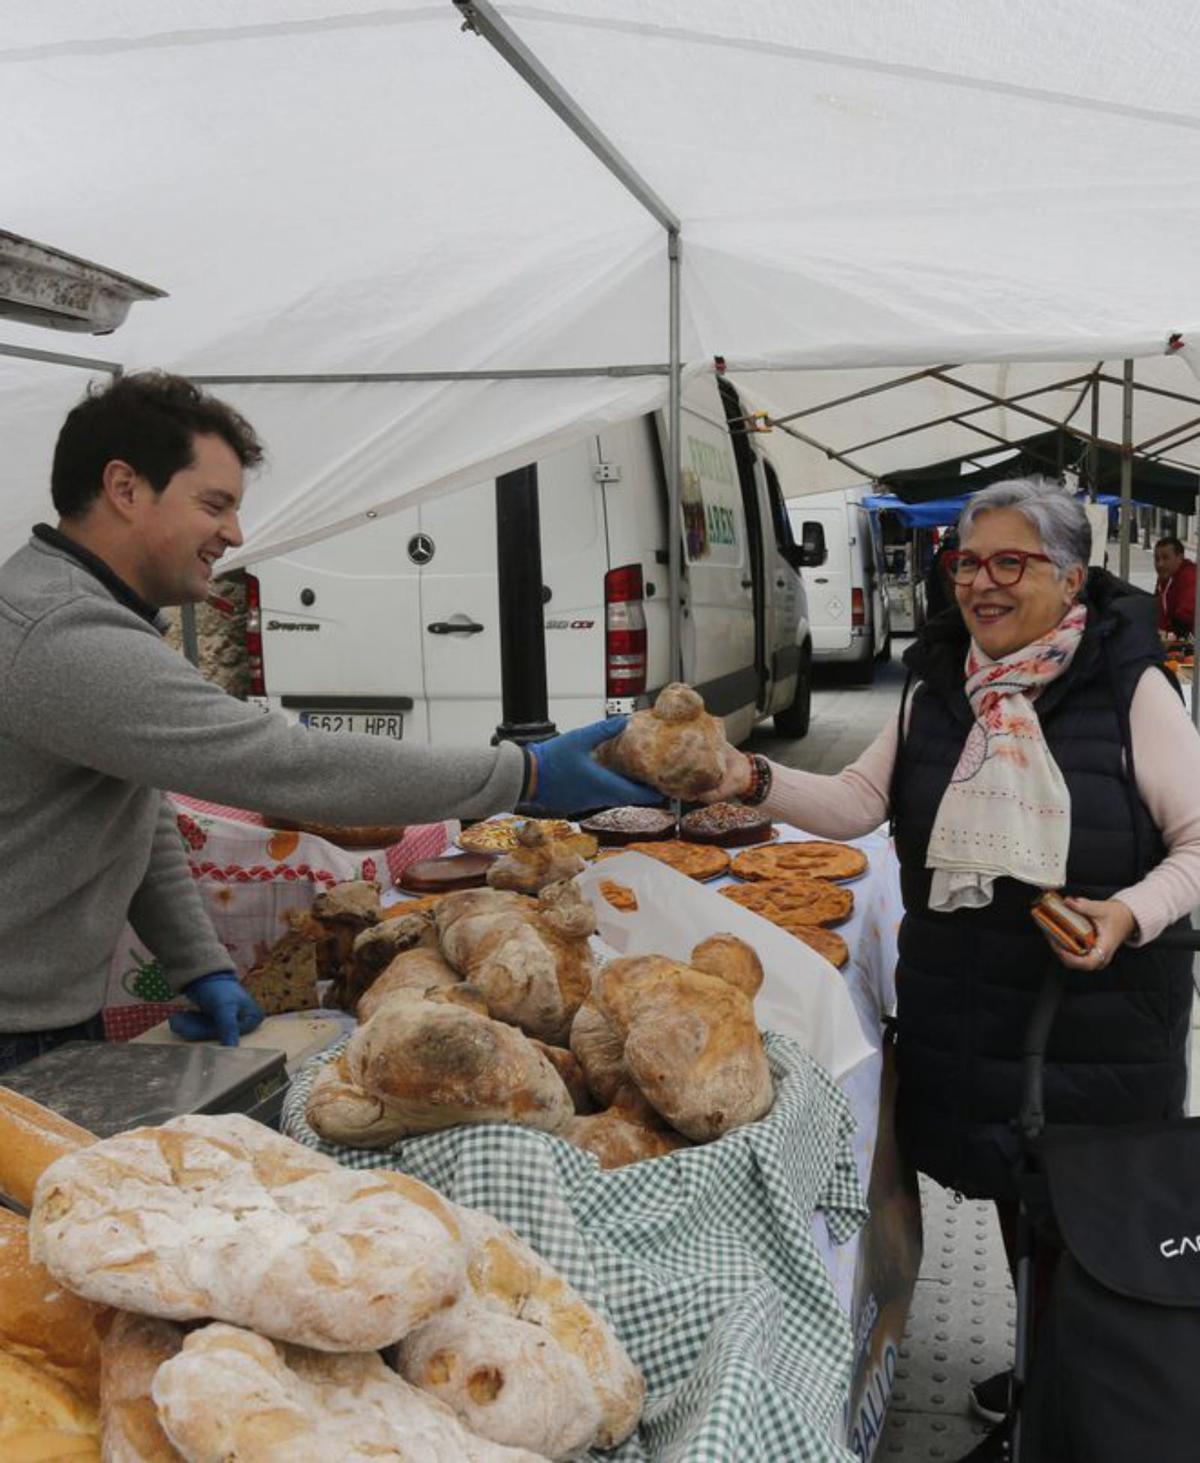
<point x="570" y="780"/>
<point x="226" y="1009"/>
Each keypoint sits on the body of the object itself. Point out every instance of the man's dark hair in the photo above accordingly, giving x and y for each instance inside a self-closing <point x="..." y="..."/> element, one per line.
<point x="1170" y="543"/>
<point x="147" y="420"/>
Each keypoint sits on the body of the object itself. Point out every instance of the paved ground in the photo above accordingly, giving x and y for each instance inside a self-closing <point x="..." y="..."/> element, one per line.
<point x="961" y="1325"/>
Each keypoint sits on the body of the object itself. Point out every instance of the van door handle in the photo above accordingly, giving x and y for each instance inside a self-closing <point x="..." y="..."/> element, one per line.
<point x="455" y="627"/>
<point x="820" y="581"/>
<point x="747" y="583"/>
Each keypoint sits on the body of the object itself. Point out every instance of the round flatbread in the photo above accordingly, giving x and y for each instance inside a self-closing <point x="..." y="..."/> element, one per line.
<point x="794" y="901"/>
<point x="696" y="860"/>
<point x="810" y="858"/>
<point x="825" y="942"/>
<point x="499" y="835"/>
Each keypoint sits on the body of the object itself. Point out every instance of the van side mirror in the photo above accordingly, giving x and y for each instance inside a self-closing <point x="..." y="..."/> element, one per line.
<point x="811" y="552"/>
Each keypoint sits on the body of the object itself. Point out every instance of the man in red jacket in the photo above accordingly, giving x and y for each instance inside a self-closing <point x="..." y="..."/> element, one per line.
<point x="1176" y="587"/>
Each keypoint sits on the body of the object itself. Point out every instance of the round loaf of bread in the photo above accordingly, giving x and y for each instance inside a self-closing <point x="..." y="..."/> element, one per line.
<point x="534" y="1381"/>
<point x="220" y="1217"/>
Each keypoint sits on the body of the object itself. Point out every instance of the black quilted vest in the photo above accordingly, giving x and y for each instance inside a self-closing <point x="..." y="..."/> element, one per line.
<point x="966" y="981"/>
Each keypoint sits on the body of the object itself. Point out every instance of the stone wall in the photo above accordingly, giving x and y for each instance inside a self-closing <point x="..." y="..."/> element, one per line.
<point x="221" y="637"/>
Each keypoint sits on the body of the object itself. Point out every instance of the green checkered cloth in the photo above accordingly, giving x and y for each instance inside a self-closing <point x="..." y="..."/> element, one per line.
<point x="703" y="1261"/>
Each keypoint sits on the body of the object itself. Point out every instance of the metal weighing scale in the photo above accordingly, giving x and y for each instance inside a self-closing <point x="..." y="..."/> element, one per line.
<point x="107" y="1087"/>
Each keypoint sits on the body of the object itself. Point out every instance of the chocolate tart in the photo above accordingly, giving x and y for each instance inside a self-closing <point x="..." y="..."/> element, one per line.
<point x="728" y="825"/>
<point x="444" y="875"/>
<point x="618" y="826"/>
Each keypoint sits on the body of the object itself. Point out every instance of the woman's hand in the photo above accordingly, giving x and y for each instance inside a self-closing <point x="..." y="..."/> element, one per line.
<point x="736" y="780"/>
<point x="1114" y="923"/>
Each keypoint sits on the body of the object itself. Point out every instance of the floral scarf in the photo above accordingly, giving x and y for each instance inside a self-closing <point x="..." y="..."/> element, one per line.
<point x="1007" y="810"/>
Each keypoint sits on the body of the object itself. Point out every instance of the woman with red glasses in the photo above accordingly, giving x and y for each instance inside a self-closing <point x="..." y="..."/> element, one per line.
<point x="1039" y="744"/>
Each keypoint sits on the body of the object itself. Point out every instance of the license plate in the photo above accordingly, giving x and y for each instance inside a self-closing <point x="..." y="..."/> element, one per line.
<point x="373" y="723"/>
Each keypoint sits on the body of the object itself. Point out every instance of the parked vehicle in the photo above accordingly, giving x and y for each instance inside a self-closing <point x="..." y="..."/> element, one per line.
<point x="847" y="606"/>
<point x="392" y="628"/>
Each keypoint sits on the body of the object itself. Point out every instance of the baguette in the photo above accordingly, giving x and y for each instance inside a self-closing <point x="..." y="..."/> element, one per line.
<point x="41" y="1322"/>
<point x="31" y="1138"/>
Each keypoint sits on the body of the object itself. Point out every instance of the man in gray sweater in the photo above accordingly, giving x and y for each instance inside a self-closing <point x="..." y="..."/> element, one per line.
<point x="99" y="717"/>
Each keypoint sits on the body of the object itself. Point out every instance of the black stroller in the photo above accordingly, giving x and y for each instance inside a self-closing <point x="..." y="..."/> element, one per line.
<point x="1113" y="1374"/>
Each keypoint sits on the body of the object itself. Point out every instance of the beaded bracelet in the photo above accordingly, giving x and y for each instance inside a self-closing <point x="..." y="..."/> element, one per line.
<point x="760" y="781"/>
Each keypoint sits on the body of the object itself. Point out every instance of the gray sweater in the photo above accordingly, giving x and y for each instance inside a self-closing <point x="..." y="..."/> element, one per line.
<point x="98" y="715"/>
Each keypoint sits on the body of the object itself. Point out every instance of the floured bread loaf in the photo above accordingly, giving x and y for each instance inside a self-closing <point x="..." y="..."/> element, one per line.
<point x="233" y="1397"/>
<point x="691" y="1044"/>
<point x="537" y="860"/>
<point x="731" y="960"/>
<point x="417" y="970"/>
<point x="627" y="1132"/>
<point x="531" y="960"/>
<point x="133" y="1351"/>
<point x="376" y="947"/>
<point x="599" y="1048"/>
<point x="676" y="746"/>
<point x="41" y="1418"/>
<point x="421" y="1065"/>
<point x="523" y="1358"/>
<point x="220" y="1217"/>
<point x="40" y="1321"/>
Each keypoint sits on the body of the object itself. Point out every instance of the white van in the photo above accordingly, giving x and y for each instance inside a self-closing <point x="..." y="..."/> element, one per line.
<point x="847" y="602"/>
<point x="392" y="628"/>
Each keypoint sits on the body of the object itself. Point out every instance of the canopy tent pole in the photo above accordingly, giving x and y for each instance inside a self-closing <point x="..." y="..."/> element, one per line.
<point x="480" y="17"/>
<point x="1126" y="466"/>
<point x="1094" y="445"/>
<point x="56" y="358"/>
<point x="674" y="467"/>
<point x="355" y="378"/>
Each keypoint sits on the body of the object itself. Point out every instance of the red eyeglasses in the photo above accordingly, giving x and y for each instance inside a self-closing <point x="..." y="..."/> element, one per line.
<point x="1005" y="567"/>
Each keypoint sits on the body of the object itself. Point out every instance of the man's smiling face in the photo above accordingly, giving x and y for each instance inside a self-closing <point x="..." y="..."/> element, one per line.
<point x="185" y="529"/>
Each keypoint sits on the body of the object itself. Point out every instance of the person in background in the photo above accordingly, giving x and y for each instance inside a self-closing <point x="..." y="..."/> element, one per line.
<point x="1176" y="588"/>
<point x="1039" y="744"/>
<point x="939" y="591"/>
<point x="99" y="718"/>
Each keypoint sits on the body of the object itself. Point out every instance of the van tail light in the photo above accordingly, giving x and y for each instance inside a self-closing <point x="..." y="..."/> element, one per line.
<point x="858" y="608"/>
<point x="254" y="648"/>
<point x="625" y="631"/>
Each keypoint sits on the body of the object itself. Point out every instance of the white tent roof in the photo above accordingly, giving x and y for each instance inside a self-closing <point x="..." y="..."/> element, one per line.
<point x="350" y="186"/>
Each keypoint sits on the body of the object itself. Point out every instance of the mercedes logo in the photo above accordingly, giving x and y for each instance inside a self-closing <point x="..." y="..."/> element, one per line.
<point x="421" y="548"/>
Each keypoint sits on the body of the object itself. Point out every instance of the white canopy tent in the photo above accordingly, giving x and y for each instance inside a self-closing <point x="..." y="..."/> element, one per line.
<point x="347" y="189"/>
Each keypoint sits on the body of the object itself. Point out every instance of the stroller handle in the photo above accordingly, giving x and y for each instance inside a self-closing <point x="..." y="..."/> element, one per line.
<point x="1032" y="1117"/>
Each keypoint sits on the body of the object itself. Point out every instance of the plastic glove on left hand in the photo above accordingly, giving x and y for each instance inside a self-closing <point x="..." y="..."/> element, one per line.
<point x="227" y="1011"/>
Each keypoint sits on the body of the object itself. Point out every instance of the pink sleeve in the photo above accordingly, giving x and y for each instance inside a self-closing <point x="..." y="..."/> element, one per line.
<point x="846" y="805"/>
<point x="1166" y="754"/>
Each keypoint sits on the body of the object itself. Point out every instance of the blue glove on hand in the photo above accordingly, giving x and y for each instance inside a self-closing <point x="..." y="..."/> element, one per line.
<point x="570" y="780"/>
<point x="226" y="1009"/>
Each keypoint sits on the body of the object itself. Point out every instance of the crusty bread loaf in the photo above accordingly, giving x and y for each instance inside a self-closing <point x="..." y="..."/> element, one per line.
<point x="553" y="1377"/>
<point x="40" y="1321"/>
<point x="691" y="1044"/>
<point x="31" y="1138"/>
<point x="599" y="1047"/>
<point x="377" y="946"/>
<point x="133" y="1351"/>
<point x="41" y="1418"/>
<point x="568" y="1067"/>
<point x="531" y="960"/>
<point x="420" y="1065"/>
<point x="630" y="1131"/>
<point x="230" y="1395"/>
<point x="220" y="1217"/>
<point x="537" y="860"/>
<point x="676" y="746"/>
<point x="731" y="960"/>
<point x="417" y="970"/>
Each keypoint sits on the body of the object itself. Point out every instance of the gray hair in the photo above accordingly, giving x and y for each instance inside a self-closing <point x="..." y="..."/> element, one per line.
<point x="1060" y="520"/>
